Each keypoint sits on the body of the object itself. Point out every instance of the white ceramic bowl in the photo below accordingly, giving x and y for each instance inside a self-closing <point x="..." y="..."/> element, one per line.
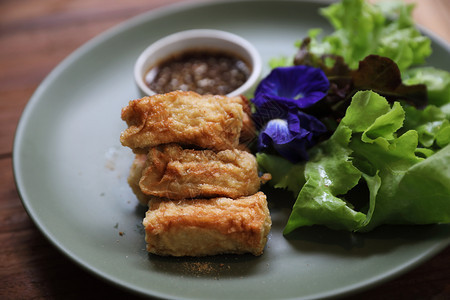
<point x="193" y="39"/>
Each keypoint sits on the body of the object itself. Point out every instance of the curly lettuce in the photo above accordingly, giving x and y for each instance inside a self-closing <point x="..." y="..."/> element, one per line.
<point x="367" y="173"/>
<point x="433" y="122"/>
<point x="360" y="28"/>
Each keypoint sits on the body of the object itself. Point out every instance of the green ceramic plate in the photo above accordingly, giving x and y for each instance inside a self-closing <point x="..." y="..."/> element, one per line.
<point x="71" y="172"/>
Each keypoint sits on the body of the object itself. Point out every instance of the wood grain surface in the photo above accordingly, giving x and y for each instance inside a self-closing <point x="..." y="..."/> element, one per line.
<point x="34" y="37"/>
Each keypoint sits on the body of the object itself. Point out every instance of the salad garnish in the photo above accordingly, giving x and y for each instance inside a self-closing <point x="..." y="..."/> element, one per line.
<point x="355" y="125"/>
<point x="360" y="29"/>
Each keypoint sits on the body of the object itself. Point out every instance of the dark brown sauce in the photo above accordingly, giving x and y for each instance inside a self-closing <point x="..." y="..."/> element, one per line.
<point x="201" y="71"/>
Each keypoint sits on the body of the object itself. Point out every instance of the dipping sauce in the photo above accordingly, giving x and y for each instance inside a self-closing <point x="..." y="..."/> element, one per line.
<point x="201" y="71"/>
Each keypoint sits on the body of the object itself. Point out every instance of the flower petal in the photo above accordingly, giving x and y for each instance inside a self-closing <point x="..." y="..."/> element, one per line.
<point x="291" y="137"/>
<point x="300" y="85"/>
<point x="311" y="123"/>
<point x="269" y="110"/>
<point x="295" y="151"/>
<point x="278" y="132"/>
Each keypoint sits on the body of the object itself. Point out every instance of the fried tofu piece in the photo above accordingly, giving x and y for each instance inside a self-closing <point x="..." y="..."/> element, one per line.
<point x="200" y="227"/>
<point x="139" y="164"/>
<point x="186" y="118"/>
<point x="135" y="175"/>
<point x="176" y="173"/>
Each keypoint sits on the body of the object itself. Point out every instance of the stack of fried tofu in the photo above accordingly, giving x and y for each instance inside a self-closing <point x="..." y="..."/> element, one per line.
<point x="200" y="183"/>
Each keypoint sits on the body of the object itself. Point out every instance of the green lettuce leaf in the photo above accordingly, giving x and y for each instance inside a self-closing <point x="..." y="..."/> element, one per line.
<point x="368" y="174"/>
<point x="421" y="196"/>
<point x="436" y="80"/>
<point x="362" y="29"/>
<point x="285" y="175"/>
<point x="432" y="125"/>
<point x="329" y="173"/>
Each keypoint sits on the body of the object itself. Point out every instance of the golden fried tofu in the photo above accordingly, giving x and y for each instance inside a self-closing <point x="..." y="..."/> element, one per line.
<point x="186" y="118"/>
<point x="199" y="227"/>
<point x="135" y="175"/>
<point x="176" y="173"/>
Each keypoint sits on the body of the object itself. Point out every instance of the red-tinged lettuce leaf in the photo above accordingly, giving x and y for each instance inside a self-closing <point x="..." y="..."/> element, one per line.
<point x="376" y="73"/>
<point x="382" y="75"/>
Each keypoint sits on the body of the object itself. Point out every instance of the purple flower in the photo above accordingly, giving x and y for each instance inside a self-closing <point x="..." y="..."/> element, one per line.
<point x="301" y="86"/>
<point x="291" y="134"/>
<point x="278" y="100"/>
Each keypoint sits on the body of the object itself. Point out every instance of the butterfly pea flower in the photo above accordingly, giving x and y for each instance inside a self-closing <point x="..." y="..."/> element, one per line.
<point x="301" y="86"/>
<point x="279" y="100"/>
<point x="290" y="132"/>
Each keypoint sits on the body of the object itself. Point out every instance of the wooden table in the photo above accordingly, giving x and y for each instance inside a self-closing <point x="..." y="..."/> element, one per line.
<point x="34" y="37"/>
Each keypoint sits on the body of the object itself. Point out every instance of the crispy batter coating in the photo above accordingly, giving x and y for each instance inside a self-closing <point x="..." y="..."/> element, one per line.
<point x="187" y="118"/>
<point x="200" y="227"/>
<point x="176" y="173"/>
